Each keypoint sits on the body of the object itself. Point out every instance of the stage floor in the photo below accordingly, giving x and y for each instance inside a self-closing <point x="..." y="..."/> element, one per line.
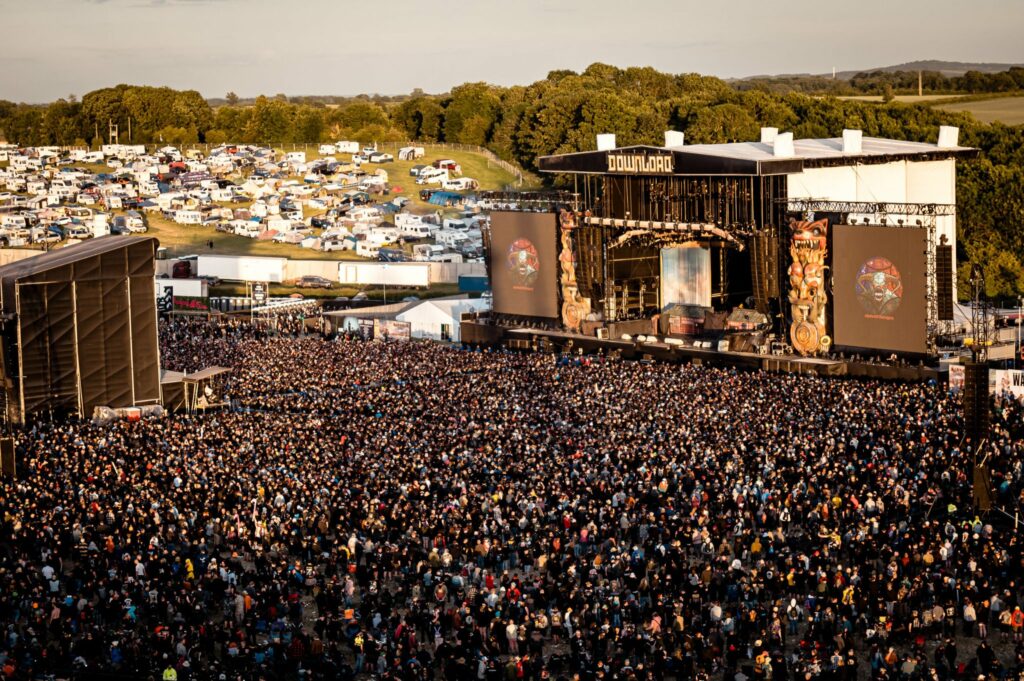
<point x="524" y="338"/>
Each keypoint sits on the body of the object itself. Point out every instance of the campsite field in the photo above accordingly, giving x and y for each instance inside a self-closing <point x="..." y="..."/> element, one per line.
<point x="194" y="240"/>
<point x="474" y="164"/>
<point x="1006" y="110"/>
<point x="189" y="239"/>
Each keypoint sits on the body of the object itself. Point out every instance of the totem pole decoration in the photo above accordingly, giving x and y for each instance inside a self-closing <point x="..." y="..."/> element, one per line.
<point x="575" y="307"/>
<point x="807" y="297"/>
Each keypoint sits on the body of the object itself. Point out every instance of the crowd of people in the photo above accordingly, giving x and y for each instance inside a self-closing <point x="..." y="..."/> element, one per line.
<point x="413" y="511"/>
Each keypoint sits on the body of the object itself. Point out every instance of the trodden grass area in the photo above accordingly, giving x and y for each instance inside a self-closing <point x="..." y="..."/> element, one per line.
<point x="194" y="239"/>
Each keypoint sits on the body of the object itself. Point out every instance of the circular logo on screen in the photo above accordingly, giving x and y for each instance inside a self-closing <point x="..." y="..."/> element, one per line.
<point x="523" y="263"/>
<point x="879" y="287"/>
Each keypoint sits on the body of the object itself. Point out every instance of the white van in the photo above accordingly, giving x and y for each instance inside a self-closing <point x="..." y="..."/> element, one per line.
<point x="247" y="228"/>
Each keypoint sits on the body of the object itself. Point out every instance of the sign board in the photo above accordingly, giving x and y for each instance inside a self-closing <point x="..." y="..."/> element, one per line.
<point x="259" y="292"/>
<point x="956" y="377"/>
<point x="191" y="304"/>
<point x="366" y="327"/>
<point x="1007" y="381"/>
<point x="641" y="163"/>
<point x="388" y="329"/>
<point x="165" y="301"/>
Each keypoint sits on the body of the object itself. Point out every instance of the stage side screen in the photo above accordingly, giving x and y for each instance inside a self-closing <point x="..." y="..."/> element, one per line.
<point x="524" y="263"/>
<point x="880" y="288"/>
<point x="686" y="276"/>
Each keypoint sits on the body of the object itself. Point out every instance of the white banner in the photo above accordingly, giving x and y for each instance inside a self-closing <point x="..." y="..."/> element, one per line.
<point x="1007" y="381"/>
<point x="956" y="376"/>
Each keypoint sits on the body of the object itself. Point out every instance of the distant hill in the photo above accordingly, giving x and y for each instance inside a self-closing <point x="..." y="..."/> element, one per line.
<point x="946" y="68"/>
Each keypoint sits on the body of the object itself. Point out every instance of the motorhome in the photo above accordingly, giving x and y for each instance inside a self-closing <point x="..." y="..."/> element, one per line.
<point x="432" y="176"/>
<point x="247" y="228"/>
<point x="188" y="217"/>
<point x="459" y="184"/>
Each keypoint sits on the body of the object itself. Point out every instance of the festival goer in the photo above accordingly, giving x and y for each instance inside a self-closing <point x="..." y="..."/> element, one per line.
<point x="411" y="511"/>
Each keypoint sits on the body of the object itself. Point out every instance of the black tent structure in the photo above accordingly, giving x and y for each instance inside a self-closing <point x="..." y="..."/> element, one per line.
<point x="79" y="329"/>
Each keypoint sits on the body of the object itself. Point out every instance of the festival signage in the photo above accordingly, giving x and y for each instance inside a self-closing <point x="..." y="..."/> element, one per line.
<point x="259" y="292"/>
<point x="191" y="304"/>
<point x="957" y="376"/>
<point x="389" y="329"/>
<point x="641" y="164"/>
<point x="1007" y="381"/>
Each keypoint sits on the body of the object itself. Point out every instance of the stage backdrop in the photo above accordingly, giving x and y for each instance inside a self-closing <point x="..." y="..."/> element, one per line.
<point x="685" y="276"/>
<point x="879" y="288"/>
<point x="524" y="263"/>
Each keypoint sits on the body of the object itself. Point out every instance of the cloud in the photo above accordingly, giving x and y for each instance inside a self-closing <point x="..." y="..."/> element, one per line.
<point x="157" y="3"/>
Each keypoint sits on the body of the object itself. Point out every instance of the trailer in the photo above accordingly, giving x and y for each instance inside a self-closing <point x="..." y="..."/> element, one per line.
<point x="192" y="288"/>
<point x="242" y="267"/>
<point x="404" y="274"/>
<point x="474" y="283"/>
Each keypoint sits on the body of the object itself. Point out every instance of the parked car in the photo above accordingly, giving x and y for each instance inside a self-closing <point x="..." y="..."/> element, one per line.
<point x="313" y="281"/>
<point x="78" y="232"/>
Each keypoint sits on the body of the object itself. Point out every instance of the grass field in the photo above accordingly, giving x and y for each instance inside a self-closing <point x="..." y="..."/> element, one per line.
<point x="1007" y="110"/>
<point x="906" y="99"/>
<point x="192" y="239"/>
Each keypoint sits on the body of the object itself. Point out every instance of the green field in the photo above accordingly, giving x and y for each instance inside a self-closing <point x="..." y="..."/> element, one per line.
<point x="906" y="99"/>
<point x="1007" y="110"/>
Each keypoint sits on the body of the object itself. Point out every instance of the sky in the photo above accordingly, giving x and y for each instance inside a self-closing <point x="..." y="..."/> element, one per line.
<point x="53" y="48"/>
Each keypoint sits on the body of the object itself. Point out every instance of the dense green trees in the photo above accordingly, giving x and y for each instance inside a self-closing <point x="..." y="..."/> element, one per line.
<point x="564" y="112"/>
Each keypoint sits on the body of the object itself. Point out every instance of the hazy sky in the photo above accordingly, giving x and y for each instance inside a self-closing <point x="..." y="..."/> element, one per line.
<point x="52" y="48"/>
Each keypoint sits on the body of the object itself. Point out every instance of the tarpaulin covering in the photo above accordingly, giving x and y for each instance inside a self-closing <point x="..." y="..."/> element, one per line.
<point x="85" y="331"/>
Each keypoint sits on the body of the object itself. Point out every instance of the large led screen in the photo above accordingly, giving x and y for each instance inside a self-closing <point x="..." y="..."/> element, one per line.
<point x="524" y="264"/>
<point x="686" y="276"/>
<point x="879" y="288"/>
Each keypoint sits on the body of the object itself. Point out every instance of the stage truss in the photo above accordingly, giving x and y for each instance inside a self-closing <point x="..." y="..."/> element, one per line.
<point x="907" y="216"/>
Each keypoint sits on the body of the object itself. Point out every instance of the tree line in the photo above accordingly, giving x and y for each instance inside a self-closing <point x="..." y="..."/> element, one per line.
<point x="890" y="83"/>
<point x="563" y="113"/>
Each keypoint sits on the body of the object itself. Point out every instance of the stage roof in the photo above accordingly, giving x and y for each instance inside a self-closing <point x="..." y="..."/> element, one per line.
<point x="11" y="273"/>
<point x="827" y="148"/>
<point x="207" y="373"/>
<point x="755" y="158"/>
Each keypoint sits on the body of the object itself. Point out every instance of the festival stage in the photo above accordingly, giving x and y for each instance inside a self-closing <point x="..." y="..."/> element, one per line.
<point x="482" y="333"/>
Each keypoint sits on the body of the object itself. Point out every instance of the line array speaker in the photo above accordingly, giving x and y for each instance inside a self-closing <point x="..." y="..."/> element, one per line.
<point x="764" y="265"/>
<point x="944" y="281"/>
<point x="976" y="401"/>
